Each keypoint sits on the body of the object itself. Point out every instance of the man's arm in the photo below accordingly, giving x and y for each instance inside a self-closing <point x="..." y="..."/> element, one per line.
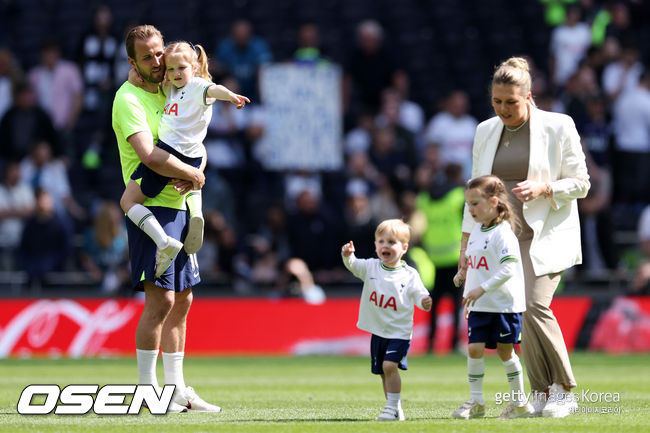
<point x="163" y="162"/>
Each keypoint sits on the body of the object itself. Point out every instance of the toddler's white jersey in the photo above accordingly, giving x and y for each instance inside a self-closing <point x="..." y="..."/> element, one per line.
<point x="388" y="297"/>
<point x="494" y="263"/>
<point x="186" y="117"/>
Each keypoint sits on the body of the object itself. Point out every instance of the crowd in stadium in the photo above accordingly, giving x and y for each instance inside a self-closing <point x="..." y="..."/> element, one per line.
<point x="403" y="152"/>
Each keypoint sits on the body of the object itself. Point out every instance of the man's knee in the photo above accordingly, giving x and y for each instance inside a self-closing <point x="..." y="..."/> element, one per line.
<point x="158" y="301"/>
<point x="183" y="300"/>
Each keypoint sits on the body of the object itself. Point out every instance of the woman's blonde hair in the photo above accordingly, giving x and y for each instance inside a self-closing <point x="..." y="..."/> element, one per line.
<point x="491" y="186"/>
<point x="106" y="226"/>
<point x="194" y="54"/>
<point x="514" y="72"/>
<point x="397" y="228"/>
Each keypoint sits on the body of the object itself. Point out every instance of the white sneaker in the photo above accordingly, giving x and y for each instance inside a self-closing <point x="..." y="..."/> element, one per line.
<point x="512" y="411"/>
<point x="390" y="414"/>
<point x="538" y="401"/>
<point x="400" y="413"/>
<point x="166" y="256"/>
<point x="560" y="403"/>
<point x="469" y="409"/>
<point x="193" y="402"/>
<point x="194" y="237"/>
<point x="172" y="408"/>
<point x="176" y="408"/>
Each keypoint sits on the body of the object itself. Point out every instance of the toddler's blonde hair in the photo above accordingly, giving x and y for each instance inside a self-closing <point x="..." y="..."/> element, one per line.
<point x="397" y="228"/>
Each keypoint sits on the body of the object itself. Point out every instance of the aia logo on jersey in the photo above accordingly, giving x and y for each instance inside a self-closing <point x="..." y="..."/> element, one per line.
<point x="476" y="263"/>
<point x="390" y="302"/>
<point x="171" y="109"/>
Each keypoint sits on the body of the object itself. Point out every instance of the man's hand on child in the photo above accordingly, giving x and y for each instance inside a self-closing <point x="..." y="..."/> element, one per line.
<point x="183" y="186"/>
<point x="347" y="249"/>
<point x="427" y="303"/>
<point x="472" y="296"/>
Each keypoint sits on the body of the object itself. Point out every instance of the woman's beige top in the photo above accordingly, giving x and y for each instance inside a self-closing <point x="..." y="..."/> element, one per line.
<point x="511" y="165"/>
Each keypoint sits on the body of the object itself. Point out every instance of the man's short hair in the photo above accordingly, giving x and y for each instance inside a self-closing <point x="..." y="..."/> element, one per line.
<point x="142" y="32"/>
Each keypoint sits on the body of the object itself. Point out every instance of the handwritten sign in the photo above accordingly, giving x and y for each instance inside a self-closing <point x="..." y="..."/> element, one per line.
<point x="304" y="120"/>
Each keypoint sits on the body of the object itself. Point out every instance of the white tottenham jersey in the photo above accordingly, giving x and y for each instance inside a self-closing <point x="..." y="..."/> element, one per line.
<point x="388" y="297"/>
<point x="494" y="263"/>
<point x="186" y="117"/>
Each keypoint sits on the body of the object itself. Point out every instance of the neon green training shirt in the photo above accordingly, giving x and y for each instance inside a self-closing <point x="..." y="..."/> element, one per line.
<point x="136" y="110"/>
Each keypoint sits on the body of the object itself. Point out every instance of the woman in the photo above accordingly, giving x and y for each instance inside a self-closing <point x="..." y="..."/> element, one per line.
<point x="539" y="157"/>
<point x="104" y="253"/>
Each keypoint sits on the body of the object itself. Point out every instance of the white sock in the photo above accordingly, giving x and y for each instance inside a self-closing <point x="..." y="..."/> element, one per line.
<point x="515" y="376"/>
<point x="173" y="367"/>
<point x="475" y="371"/>
<point x="392" y="399"/>
<point x="147" y="367"/>
<point x="144" y="219"/>
<point x="194" y="202"/>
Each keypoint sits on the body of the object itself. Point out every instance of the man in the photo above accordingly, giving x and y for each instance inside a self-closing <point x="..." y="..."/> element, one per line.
<point x="136" y="114"/>
<point x="242" y="54"/>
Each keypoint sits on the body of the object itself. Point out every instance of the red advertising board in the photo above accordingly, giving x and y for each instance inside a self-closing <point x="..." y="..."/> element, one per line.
<point x="624" y="326"/>
<point x="106" y="327"/>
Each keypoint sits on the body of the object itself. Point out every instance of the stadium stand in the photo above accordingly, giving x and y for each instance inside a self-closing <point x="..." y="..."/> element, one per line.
<point x="440" y="44"/>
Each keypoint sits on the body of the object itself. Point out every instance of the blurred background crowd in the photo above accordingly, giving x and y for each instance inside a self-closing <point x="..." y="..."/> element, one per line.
<point x="415" y="84"/>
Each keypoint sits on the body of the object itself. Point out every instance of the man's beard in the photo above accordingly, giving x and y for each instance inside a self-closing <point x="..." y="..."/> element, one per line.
<point x="149" y="77"/>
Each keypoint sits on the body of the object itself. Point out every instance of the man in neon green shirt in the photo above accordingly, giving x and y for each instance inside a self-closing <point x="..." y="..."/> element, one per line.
<point x="136" y="114"/>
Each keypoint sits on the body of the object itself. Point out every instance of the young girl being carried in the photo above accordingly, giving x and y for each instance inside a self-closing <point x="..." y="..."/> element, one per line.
<point x="188" y="109"/>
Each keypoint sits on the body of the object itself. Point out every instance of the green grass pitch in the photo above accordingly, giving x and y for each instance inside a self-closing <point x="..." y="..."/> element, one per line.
<point x="329" y="394"/>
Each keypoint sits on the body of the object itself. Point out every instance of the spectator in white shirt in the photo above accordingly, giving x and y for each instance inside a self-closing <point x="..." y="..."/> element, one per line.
<point x="623" y="75"/>
<point x="569" y="44"/>
<point x="453" y="131"/>
<point x="631" y="121"/>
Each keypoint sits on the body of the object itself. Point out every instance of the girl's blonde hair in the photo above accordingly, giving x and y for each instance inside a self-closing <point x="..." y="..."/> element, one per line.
<point x="194" y="54"/>
<point x="397" y="228"/>
<point x="491" y="186"/>
<point x="514" y="72"/>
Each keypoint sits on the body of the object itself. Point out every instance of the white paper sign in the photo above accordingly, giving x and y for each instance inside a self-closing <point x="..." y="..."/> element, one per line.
<point x="304" y="120"/>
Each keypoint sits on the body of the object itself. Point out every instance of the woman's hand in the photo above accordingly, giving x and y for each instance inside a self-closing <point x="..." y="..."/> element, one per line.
<point x="529" y="190"/>
<point x="459" y="278"/>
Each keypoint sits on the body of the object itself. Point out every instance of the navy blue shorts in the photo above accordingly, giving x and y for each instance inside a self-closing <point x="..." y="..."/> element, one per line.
<point x="153" y="183"/>
<point x="181" y="274"/>
<point x="493" y="328"/>
<point x="388" y="349"/>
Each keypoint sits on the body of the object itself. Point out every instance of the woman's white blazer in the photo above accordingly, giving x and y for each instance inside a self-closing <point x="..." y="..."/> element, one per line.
<point x="556" y="157"/>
